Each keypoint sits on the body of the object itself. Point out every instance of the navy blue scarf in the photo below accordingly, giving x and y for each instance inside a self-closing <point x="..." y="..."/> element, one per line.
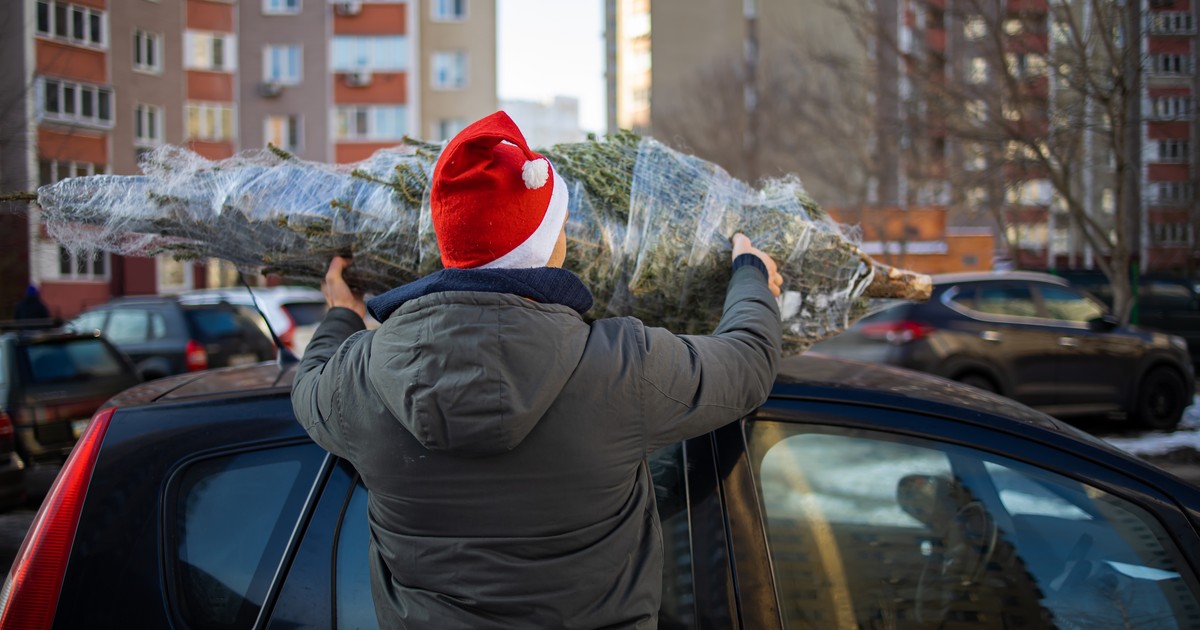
<point x="548" y="285"/>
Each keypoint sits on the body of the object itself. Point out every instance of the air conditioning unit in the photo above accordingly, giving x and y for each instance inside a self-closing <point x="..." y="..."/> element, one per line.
<point x="358" y="78"/>
<point x="270" y="89"/>
<point x="348" y="7"/>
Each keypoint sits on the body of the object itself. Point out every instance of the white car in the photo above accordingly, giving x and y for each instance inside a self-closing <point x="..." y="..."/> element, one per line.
<point x="292" y="312"/>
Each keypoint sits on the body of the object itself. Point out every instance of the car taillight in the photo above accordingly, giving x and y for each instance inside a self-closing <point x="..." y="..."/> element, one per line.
<point x="30" y="595"/>
<point x="195" y="357"/>
<point x="896" y="333"/>
<point x="288" y="337"/>
<point x="6" y="425"/>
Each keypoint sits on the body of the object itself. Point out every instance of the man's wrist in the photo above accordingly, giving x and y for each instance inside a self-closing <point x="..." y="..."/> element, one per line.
<point x="750" y="260"/>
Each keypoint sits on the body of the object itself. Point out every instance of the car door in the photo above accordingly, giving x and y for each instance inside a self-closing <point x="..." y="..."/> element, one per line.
<point x="1094" y="365"/>
<point x="1004" y="316"/>
<point x="884" y="518"/>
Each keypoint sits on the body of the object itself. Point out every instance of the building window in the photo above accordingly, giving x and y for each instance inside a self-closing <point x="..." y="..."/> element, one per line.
<point x="447" y="128"/>
<point x="147" y="125"/>
<point x="1171" y="233"/>
<point x="449" y="10"/>
<point x="449" y="70"/>
<point x="387" y="53"/>
<point x="977" y="71"/>
<point x="1173" y="150"/>
<point x="1174" y="193"/>
<point x="147" y="51"/>
<point x="1171" y="63"/>
<point x="974" y="27"/>
<point x="283" y="131"/>
<point x="281" y="7"/>
<point x="67" y="101"/>
<point x="210" y="121"/>
<point x="81" y="265"/>
<point x="1172" y="107"/>
<point x="72" y="22"/>
<point x="282" y="64"/>
<point x="371" y="123"/>
<point x="1178" y="22"/>
<point x="210" y="51"/>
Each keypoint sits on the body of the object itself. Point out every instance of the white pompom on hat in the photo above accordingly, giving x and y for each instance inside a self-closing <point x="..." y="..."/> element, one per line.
<point x="495" y="203"/>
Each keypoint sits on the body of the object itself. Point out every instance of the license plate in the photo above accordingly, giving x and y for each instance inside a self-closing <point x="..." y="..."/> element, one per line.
<point x="242" y="359"/>
<point x="78" y="427"/>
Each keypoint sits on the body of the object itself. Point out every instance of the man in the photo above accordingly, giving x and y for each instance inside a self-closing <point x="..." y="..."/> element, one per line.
<point x="502" y="439"/>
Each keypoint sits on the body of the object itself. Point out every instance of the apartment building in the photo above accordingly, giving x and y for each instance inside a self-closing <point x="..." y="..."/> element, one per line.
<point x="664" y="54"/>
<point x="102" y="82"/>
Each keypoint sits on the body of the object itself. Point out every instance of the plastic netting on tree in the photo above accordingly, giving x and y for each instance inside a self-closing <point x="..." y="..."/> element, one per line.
<point x="648" y="230"/>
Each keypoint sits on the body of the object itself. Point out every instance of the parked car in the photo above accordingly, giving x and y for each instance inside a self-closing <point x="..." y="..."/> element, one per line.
<point x="51" y="382"/>
<point x="165" y="336"/>
<point x="857" y="496"/>
<point x="1165" y="303"/>
<point x="292" y="312"/>
<point x="1032" y="338"/>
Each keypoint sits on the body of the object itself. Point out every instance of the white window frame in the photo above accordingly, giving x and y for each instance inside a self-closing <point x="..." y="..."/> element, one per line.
<point x="1178" y="22"/>
<point x="218" y="132"/>
<point x="69" y="36"/>
<point x="45" y="84"/>
<point x="285" y="78"/>
<point x="369" y="53"/>
<point x="60" y="170"/>
<point x="437" y="79"/>
<point x="143" y="43"/>
<point x="1173" y="151"/>
<point x="1171" y="107"/>
<point x="187" y="267"/>
<point x="1173" y="193"/>
<point x="149" y="118"/>
<point x="293" y="122"/>
<point x="443" y="10"/>
<point x="203" y="42"/>
<point x="372" y="133"/>
<point x="446" y="128"/>
<point x="1171" y="64"/>
<point x="279" y="7"/>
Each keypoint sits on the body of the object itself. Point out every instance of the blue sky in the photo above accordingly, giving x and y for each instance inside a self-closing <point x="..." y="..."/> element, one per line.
<point x="553" y="47"/>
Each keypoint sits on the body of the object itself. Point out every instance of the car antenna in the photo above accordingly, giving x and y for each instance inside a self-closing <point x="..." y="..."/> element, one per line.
<point x="285" y="357"/>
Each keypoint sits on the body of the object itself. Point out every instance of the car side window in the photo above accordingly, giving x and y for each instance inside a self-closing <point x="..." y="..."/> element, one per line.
<point x="229" y="519"/>
<point x="1064" y="304"/>
<point x="964" y="297"/>
<point x="88" y="322"/>
<point x="352" y="577"/>
<point x="126" y="326"/>
<point x="865" y="527"/>
<point x="1010" y="300"/>
<point x="158" y="326"/>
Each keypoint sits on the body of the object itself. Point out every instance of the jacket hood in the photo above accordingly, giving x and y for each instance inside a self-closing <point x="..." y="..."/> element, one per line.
<point x="473" y="372"/>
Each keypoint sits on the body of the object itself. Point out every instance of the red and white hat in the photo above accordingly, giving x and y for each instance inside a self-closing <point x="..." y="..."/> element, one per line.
<point x="495" y="203"/>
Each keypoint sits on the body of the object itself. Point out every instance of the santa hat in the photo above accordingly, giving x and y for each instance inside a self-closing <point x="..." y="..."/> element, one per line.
<point x="495" y="203"/>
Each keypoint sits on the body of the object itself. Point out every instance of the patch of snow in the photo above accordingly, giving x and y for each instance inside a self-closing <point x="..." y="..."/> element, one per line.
<point x="1158" y="443"/>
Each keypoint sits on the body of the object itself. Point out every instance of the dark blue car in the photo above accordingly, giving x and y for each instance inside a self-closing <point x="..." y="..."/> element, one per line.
<point x="858" y="496"/>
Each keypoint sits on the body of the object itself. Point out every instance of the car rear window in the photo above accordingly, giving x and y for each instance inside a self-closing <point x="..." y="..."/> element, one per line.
<point x="212" y="324"/>
<point x="306" y="313"/>
<point x="230" y="518"/>
<point x="71" y="360"/>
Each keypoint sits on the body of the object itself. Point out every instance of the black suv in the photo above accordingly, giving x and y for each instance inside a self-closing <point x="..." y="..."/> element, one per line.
<point x="164" y="337"/>
<point x="51" y="382"/>
<point x="857" y="496"/>
<point x="1035" y="339"/>
<point x="1165" y="303"/>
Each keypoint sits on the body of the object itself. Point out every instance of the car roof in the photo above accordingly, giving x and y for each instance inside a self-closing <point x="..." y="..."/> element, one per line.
<point x="981" y="276"/>
<point x="810" y="376"/>
<point x="44" y="335"/>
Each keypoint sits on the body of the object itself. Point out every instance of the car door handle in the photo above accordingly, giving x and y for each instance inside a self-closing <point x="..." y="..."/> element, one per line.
<point x="1068" y="342"/>
<point x="992" y="336"/>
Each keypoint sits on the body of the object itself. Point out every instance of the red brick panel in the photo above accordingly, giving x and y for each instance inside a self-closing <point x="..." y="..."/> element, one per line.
<point x="1156" y="92"/>
<point x="375" y="19"/>
<point x="203" y="15"/>
<point x="139" y="275"/>
<point x="71" y="62"/>
<point x="345" y="153"/>
<point x="1181" y="45"/>
<point x="1167" y="172"/>
<point x="211" y="150"/>
<point x="77" y="145"/>
<point x="385" y="87"/>
<point x="209" y="86"/>
<point x="66" y="299"/>
<point x="95" y="4"/>
<point x="1179" y="129"/>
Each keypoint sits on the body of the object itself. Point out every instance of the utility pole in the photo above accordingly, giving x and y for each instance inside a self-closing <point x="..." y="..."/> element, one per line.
<point x="750" y="91"/>
<point x="1132" y="64"/>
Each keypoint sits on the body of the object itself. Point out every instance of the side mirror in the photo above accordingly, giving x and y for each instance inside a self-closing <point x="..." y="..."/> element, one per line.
<point x="924" y="497"/>
<point x="1104" y="323"/>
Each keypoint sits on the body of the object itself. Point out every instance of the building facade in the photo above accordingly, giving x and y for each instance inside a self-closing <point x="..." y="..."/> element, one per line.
<point x="103" y="82"/>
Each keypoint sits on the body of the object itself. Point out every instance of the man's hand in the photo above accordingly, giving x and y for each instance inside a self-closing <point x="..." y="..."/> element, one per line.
<point x="742" y="245"/>
<point x="337" y="292"/>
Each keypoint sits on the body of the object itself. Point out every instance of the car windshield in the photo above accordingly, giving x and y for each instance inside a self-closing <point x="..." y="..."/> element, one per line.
<point x="71" y="360"/>
<point x="212" y="324"/>
<point x="305" y="313"/>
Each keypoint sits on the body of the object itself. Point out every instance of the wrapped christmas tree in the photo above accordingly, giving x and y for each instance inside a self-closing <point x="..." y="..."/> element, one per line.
<point x="648" y="229"/>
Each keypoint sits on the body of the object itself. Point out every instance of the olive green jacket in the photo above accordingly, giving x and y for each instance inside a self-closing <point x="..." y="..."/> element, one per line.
<point x="503" y="444"/>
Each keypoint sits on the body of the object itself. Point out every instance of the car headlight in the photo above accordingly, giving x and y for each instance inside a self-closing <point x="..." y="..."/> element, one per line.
<point x="1179" y="343"/>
